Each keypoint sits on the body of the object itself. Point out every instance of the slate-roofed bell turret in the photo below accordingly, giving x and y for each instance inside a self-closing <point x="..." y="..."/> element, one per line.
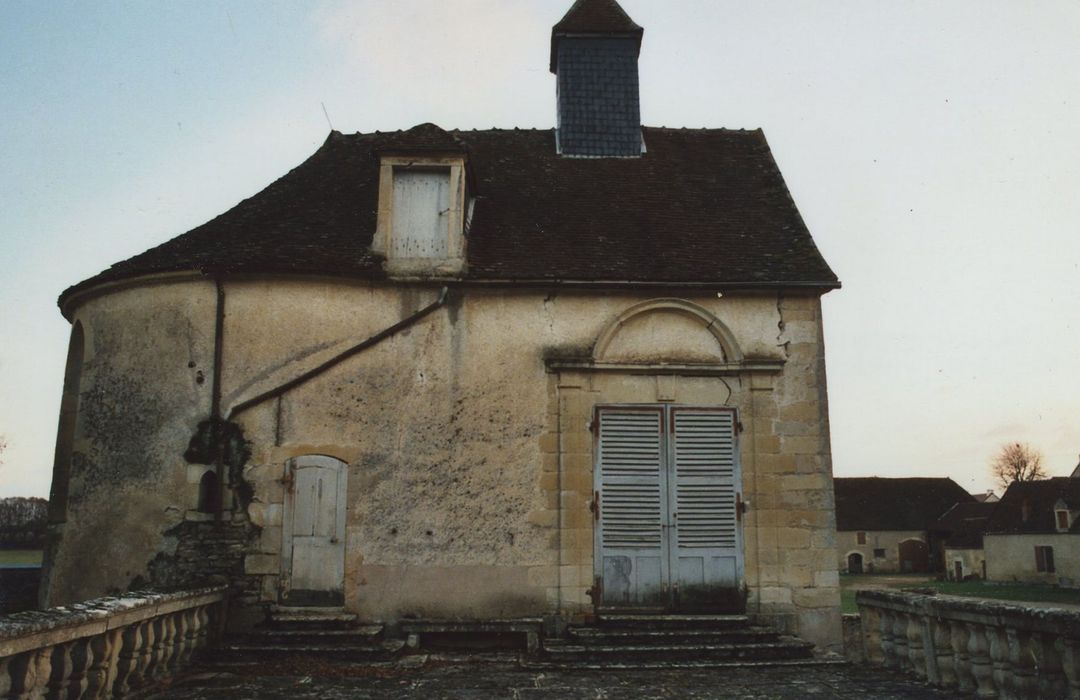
<point x="594" y="55"/>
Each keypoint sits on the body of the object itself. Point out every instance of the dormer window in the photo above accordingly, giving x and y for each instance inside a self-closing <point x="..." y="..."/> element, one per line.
<point x="1062" y="517"/>
<point x="423" y="203"/>
<point x="421" y="213"/>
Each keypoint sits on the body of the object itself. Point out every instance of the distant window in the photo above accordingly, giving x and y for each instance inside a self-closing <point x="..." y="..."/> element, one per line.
<point x="879" y="554"/>
<point x="1044" y="559"/>
<point x="421" y="217"/>
<point x="1063" y="519"/>
<point x="860" y="537"/>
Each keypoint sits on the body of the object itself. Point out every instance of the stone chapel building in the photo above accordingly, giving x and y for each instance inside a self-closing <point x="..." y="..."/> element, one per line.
<point x="469" y="375"/>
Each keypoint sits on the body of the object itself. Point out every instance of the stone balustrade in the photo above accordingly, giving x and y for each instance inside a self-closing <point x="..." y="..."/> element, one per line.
<point x="106" y="647"/>
<point x="989" y="649"/>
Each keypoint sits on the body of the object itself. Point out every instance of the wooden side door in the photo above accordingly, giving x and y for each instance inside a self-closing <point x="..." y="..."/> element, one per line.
<point x="314" y="531"/>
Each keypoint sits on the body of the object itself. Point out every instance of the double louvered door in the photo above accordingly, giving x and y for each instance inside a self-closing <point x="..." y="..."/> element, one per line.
<point x="667" y="531"/>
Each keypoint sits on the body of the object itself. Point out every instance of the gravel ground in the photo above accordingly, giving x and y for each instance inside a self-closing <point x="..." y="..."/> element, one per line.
<point x="445" y="677"/>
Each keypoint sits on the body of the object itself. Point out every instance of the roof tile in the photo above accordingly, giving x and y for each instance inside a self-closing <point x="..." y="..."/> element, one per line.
<point x="700" y="207"/>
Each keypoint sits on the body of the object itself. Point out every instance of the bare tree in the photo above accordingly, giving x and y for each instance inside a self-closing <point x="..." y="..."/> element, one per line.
<point x="1017" y="461"/>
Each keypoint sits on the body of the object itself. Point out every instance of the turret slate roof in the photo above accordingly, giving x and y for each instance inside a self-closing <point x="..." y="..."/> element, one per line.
<point x="596" y="17"/>
<point x="705" y="206"/>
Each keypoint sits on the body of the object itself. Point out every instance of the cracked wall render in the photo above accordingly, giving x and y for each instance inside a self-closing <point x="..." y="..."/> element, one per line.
<point x="464" y="499"/>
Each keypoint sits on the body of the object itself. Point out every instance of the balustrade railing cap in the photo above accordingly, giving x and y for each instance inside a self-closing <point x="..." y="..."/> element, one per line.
<point x="35" y="621"/>
<point x="1061" y="621"/>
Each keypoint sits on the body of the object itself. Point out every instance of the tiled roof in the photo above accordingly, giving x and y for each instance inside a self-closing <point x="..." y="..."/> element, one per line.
<point x="874" y="503"/>
<point x="1040" y="498"/>
<point x="701" y="206"/>
<point x="963" y="524"/>
<point x="422" y="138"/>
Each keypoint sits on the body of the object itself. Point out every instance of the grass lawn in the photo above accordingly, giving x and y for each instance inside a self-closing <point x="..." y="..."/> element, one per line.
<point x="20" y="557"/>
<point x="1030" y="592"/>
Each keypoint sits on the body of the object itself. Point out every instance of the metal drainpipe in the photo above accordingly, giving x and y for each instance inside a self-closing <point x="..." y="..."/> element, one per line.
<point x="215" y="400"/>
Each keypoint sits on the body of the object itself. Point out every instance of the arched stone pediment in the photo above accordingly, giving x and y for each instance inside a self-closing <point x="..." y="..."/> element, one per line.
<point x="667" y="330"/>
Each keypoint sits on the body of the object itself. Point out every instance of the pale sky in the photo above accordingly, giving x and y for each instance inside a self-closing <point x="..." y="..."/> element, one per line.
<point x="933" y="147"/>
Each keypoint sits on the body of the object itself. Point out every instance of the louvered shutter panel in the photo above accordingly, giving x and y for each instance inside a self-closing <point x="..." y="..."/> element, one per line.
<point x="633" y="505"/>
<point x="706" y="550"/>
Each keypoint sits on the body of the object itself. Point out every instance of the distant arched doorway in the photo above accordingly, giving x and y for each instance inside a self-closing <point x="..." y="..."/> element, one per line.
<point x="854" y="563"/>
<point x="914" y="557"/>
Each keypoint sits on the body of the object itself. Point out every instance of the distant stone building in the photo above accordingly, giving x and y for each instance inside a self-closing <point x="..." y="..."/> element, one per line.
<point x="883" y="525"/>
<point x="469" y="374"/>
<point x="960" y="534"/>
<point x="1034" y="533"/>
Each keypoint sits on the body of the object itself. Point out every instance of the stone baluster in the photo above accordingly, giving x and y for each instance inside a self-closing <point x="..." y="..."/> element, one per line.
<point x="145" y="655"/>
<point x="202" y="626"/>
<point x="900" y="643"/>
<point x="154" y="650"/>
<point x="965" y="679"/>
<point x="163" y="632"/>
<point x="999" y="661"/>
<point x="1051" y="681"/>
<point x="915" y="645"/>
<point x="1071" y="663"/>
<point x="174" y="625"/>
<point x="943" y="651"/>
<point x="128" y="659"/>
<point x="55" y="685"/>
<point x="81" y="658"/>
<point x="101" y="663"/>
<point x="981" y="666"/>
<point x="189" y="635"/>
<point x="30" y="674"/>
<point x="69" y="665"/>
<point x="1024" y="682"/>
<point x="5" y="676"/>
<point x="870" y="624"/>
<point x="888" y="649"/>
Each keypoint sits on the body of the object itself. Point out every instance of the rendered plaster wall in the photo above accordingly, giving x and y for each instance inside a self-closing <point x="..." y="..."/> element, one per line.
<point x="145" y="385"/>
<point x="889" y="540"/>
<point x="468" y="460"/>
<point x="971" y="561"/>
<point x="1012" y="558"/>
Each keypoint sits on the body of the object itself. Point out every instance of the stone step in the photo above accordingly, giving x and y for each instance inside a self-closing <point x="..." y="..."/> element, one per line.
<point x="241" y="652"/>
<point x="785" y="648"/>
<point x="540" y="664"/>
<point x="308" y="635"/>
<point x="612" y="636"/>
<point x="673" y="621"/>
<point x="296" y="617"/>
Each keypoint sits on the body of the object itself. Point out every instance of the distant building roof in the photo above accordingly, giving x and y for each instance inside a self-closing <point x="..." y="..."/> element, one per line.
<point x="988" y="497"/>
<point x="963" y="525"/>
<point x="702" y="206"/>
<point x="875" y="503"/>
<point x="1028" y="506"/>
